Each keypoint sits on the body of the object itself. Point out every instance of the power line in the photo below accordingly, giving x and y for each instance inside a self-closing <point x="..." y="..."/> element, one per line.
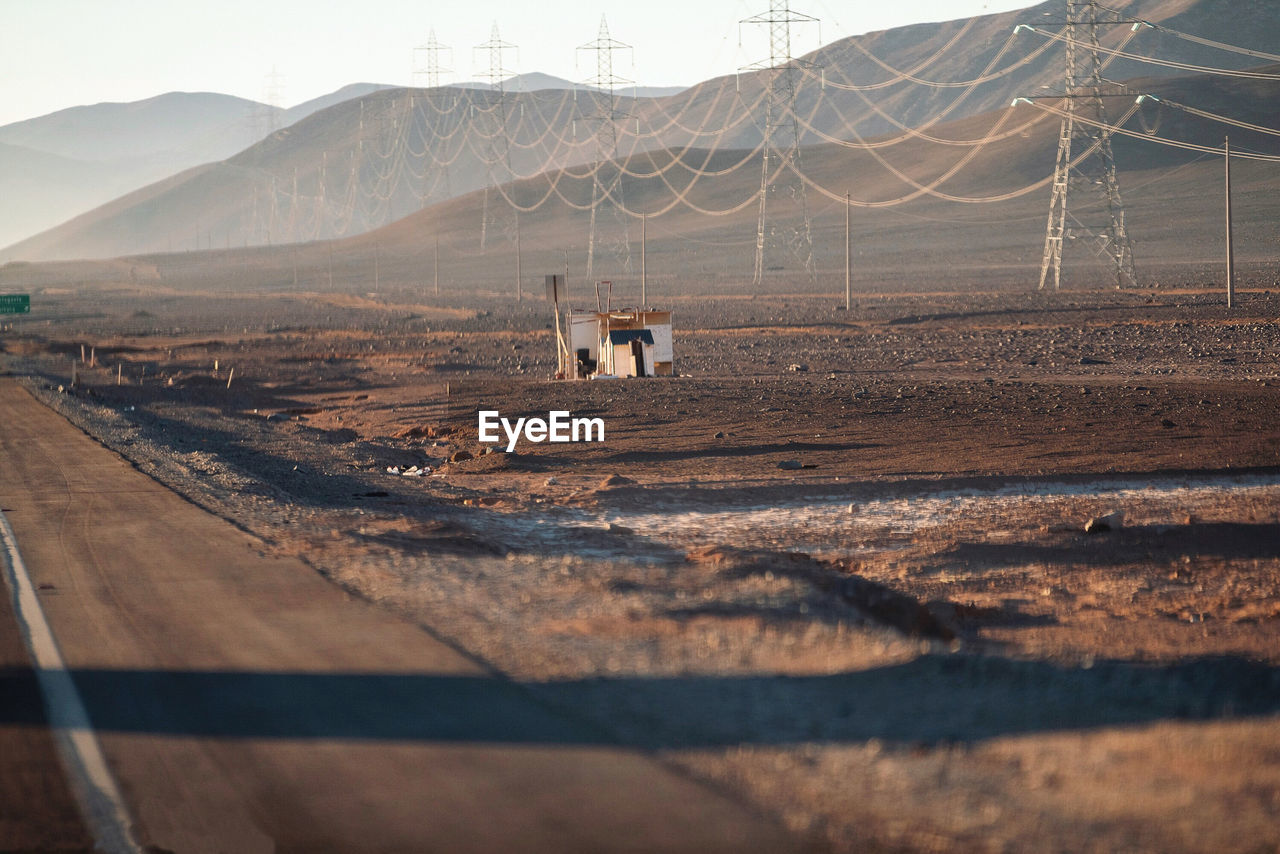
<point x="1166" y="63"/>
<point x="1117" y="128"/>
<point x="1243" y="51"/>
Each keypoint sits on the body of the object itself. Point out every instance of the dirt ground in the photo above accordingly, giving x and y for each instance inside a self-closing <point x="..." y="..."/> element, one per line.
<point x="838" y="565"/>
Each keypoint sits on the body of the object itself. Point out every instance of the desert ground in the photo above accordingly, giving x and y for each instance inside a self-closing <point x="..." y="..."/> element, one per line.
<point x="838" y="566"/>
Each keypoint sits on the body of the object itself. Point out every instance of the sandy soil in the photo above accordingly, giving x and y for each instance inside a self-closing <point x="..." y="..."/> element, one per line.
<point x="838" y="565"/>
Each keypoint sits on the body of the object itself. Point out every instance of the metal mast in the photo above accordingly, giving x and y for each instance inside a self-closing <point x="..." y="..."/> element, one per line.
<point x="496" y="76"/>
<point x="607" y="145"/>
<point x="1096" y="170"/>
<point x="781" y="137"/>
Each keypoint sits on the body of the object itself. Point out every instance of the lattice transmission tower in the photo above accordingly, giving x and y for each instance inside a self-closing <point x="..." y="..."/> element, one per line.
<point x="499" y="145"/>
<point x="273" y="95"/>
<point x="1086" y="131"/>
<point x="607" y="192"/>
<point x="264" y="118"/>
<point x="427" y="69"/>
<point x="781" y="140"/>
<point x="426" y="62"/>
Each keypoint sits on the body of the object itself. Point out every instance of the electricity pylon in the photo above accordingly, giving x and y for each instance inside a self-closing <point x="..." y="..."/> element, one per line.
<point x="496" y="76"/>
<point x="273" y="95"/>
<point x="781" y="138"/>
<point x="430" y="78"/>
<point x="607" y="148"/>
<point x="264" y="120"/>
<point x="1095" y="171"/>
<point x="430" y="75"/>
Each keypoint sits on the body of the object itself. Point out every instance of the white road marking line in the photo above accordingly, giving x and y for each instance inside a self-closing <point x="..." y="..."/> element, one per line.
<point x="91" y="781"/>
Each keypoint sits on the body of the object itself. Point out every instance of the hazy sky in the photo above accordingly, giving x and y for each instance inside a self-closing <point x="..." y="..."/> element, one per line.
<point x="63" y="53"/>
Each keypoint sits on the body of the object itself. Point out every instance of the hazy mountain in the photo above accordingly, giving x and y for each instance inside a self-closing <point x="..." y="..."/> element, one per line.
<point x="363" y="163"/>
<point x="96" y="153"/>
<point x="207" y="125"/>
<point x="40" y="188"/>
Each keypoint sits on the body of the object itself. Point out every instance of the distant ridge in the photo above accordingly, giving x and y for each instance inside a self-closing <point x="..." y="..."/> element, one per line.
<point x="97" y="152"/>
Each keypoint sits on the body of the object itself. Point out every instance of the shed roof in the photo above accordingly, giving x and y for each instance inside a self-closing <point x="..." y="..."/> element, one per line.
<point x="626" y="336"/>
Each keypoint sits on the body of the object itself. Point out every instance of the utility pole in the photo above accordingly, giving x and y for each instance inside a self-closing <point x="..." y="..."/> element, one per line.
<point x="781" y="137"/>
<point x="644" y="267"/>
<point x="848" y="253"/>
<point x="1084" y="99"/>
<point x="519" y="286"/>
<point x="607" y="145"/>
<point x="496" y="75"/>
<point x="437" y="266"/>
<point x="1231" y="257"/>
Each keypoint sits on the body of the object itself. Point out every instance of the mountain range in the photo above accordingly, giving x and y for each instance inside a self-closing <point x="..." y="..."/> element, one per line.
<point x="352" y="164"/>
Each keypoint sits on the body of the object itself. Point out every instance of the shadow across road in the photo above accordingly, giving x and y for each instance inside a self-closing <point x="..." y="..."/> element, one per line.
<point x="932" y="699"/>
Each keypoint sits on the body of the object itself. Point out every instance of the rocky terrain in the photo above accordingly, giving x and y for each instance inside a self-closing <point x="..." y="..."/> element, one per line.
<point x="839" y="565"/>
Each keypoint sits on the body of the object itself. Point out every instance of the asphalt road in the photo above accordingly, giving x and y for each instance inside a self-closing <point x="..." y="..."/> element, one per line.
<point x="244" y="703"/>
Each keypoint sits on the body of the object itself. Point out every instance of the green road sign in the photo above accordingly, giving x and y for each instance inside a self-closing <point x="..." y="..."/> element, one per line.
<point x="15" y="303"/>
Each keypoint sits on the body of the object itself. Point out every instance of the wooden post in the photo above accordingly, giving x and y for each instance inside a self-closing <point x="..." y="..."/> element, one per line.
<point x="519" y="287"/>
<point x="1231" y="259"/>
<point x="119" y="373"/>
<point x="437" y="265"/>
<point x="231" y="374"/>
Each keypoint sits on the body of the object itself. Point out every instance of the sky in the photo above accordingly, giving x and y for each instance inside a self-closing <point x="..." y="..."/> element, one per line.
<point x="62" y="53"/>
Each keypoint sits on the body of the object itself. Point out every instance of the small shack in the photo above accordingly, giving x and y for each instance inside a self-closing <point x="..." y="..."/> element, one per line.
<point x="621" y="343"/>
